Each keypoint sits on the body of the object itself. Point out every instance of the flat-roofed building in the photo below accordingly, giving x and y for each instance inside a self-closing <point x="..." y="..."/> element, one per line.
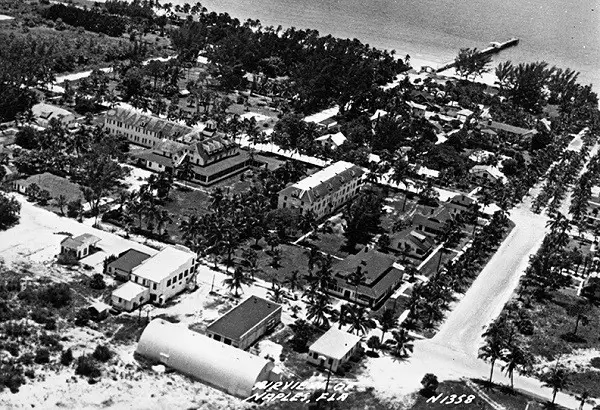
<point x="325" y="190"/>
<point x="165" y="274"/>
<point x="129" y="296"/>
<point x="246" y="323"/>
<point x="43" y="113"/>
<point x="333" y="349"/>
<point x="124" y="264"/>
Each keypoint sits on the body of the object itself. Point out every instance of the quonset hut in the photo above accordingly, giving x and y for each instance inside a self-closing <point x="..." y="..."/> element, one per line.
<point x="214" y="363"/>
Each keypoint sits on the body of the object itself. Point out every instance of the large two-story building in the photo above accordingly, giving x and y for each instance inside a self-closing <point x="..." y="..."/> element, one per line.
<point x="212" y="156"/>
<point x="325" y="190"/>
<point x="158" y="278"/>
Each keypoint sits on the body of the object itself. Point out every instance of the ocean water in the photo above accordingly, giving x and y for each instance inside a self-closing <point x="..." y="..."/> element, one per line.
<point x="563" y="33"/>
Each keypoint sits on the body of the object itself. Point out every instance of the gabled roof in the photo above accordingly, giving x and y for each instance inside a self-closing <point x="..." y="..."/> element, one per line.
<point x="378" y="114"/>
<point x="161" y="265"/>
<point x="372" y="263"/>
<point x="319" y="184"/>
<point x="420" y="241"/>
<point x="462" y="199"/>
<point x="129" y="291"/>
<point x="82" y="240"/>
<point x="128" y="260"/>
<point x="168" y="129"/>
<point x="335" y="343"/>
<point x="511" y="129"/>
<point x="416" y="106"/>
<point x="337" y="139"/>
<point x="169" y="146"/>
<point x="491" y="170"/>
<point x="243" y="317"/>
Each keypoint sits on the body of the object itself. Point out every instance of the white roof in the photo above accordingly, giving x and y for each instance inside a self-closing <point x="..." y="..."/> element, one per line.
<point x="378" y="114"/>
<point x="202" y="60"/>
<point x="480" y="155"/>
<point x="129" y="291"/>
<point x="325" y="174"/>
<point x="334" y="343"/>
<point x="417" y="106"/>
<point x="323" y="115"/>
<point x="493" y="171"/>
<point x="465" y="112"/>
<point x="432" y="173"/>
<point x="100" y="306"/>
<point x="161" y="265"/>
<point x="228" y="368"/>
<point x="53" y="110"/>
<point x="337" y="139"/>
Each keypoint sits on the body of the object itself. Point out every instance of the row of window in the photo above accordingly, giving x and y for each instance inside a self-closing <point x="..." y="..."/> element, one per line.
<point x="183" y="274"/>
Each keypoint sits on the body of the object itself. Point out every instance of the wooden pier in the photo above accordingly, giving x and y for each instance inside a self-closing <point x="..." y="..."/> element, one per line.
<point x="493" y="48"/>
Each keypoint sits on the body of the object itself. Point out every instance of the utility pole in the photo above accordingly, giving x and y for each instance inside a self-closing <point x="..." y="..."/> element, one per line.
<point x="328" y="375"/>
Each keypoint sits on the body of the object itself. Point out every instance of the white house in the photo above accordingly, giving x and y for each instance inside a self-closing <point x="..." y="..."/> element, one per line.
<point x="78" y="246"/>
<point x="333" y="349"/>
<point x="332" y="140"/>
<point x="463" y="114"/>
<point x="43" y="113"/>
<point x="325" y="190"/>
<point x="164" y="275"/>
<point x="485" y="175"/>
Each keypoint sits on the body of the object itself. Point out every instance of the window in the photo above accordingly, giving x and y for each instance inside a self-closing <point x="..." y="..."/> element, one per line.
<point x="181" y="275"/>
<point x="154" y="286"/>
<point x="169" y="282"/>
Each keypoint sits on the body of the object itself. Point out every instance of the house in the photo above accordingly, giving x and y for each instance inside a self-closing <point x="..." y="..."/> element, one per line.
<point x="325" y="190"/>
<point x="216" y="364"/>
<point x="411" y="243"/>
<point x="98" y="310"/>
<point x="421" y="97"/>
<point x="54" y="184"/>
<point x="480" y="156"/>
<point x="324" y="119"/>
<point x="486" y="175"/>
<point x="427" y="173"/>
<point x="463" y="114"/>
<point x="377" y="116"/>
<point x="459" y="204"/>
<point x="212" y="159"/>
<point x="79" y="246"/>
<point x="417" y="110"/>
<point x="381" y="277"/>
<point x="43" y="113"/>
<point x="433" y="224"/>
<point x="141" y="129"/>
<point x="507" y="129"/>
<point x="122" y="266"/>
<point x="332" y="140"/>
<point x="333" y="349"/>
<point x="245" y="323"/>
<point x="159" y="277"/>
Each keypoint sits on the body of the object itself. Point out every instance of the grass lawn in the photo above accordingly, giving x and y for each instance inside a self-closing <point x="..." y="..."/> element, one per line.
<point x="292" y="258"/>
<point x="393" y="207"/>
<point x="334" y="243"/>
<point x="183" y="203"/>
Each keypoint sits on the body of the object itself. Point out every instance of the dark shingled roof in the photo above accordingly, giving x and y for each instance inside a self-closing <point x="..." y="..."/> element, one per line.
<point x="239" y="320"/>
<point x="377" y="267"/>
<point x="128" y="260"/>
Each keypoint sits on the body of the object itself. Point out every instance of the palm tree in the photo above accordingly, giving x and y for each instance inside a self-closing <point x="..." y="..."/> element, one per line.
<point x="185" y="171"/>
<point x="359" y="320"/>
<point x="61" y="202"/>
<point x="318" y="308"/>
<point x="387" y="321"/>
<point x="163" y="218"/>
<point x="276" y="293"/>
<point x="356" y="278"/>
<point x="404" y="343"/>
<point x="491" y="350"/>
<point x="557" y="381"/>
<point x="236" y="281"/>
<point x="294" y="280"/>
<point x="516" y="358"/>
<point x="583" y="397"/>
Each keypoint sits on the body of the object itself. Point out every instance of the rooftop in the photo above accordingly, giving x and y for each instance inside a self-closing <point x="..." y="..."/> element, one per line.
<point x="320" y="183"/>
<point x="243" y="317"/>
<point x="47" y="111"/>
<point x="85" y="239"/>
<point x="335" y="343"/>
<point x="54" y="184"/>
<point x="129" y="291"/>
<point x="161" y="265"/>
<point x="129" y="260"/>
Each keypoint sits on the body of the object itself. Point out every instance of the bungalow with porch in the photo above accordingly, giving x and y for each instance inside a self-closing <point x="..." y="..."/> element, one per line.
<point x="433" y="224"/>
<point x="79" y="246"/>
<point x="412" y="243"/>
<point x="486" y="175"/>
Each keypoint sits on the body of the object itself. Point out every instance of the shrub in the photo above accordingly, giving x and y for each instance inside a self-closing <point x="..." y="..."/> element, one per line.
<point x="42" y="356"/>
<point x="66" y="357"/>
<point x="82" y="317"/>
<point x="97" y="282"/>
<point x="50" y="340"/>
<point x="67" y="259"/>
<point x="86" y="366"/>
<point x="595" y="362"/>
<point x="102" y="353"/>
<point x="58" y="295"/>
<point x="430" y="384"/>
<point x="11" y="377"/>
<point x="41" y="316"/>
<point x="27" y="359"/>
